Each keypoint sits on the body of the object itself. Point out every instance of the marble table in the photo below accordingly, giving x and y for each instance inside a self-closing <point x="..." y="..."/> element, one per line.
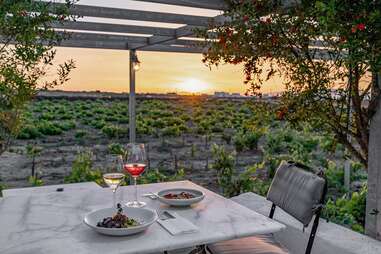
<point x="52" y="223"/>
<point x="50" y="189"/>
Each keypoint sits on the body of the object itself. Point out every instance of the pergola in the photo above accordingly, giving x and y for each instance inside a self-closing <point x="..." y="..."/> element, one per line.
<point x="86" y="33"/>
<point x="181" y="38"/>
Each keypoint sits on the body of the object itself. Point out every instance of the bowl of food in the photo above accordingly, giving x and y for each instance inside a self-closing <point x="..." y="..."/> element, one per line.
<point x="120" y="222"/>
<point x="180" y="196"/>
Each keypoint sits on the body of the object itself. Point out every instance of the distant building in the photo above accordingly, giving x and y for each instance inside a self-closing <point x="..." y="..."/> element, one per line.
<point x="221" y="94"/>
<point x="227" y="95"/>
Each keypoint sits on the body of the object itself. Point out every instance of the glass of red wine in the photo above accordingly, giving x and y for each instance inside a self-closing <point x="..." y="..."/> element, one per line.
<point x="135" y="163"/>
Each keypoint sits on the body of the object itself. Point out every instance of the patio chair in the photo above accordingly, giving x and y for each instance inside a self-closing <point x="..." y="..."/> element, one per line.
<point x="296" y="190"/>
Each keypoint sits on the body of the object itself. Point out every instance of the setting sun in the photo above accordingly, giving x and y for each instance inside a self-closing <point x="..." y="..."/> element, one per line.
<point x="192" y="85"/>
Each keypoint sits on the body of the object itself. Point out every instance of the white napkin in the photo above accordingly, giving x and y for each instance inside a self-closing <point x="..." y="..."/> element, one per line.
<point x="178" y="225"/>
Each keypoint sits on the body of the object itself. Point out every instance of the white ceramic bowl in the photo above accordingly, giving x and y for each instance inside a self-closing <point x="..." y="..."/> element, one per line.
<point x="199" y="195"/>
<point x="145" y="216"/>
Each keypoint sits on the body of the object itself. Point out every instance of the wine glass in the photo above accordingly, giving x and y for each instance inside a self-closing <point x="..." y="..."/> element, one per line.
<point x="135" y="164"/>
<point x="113" y="180"/>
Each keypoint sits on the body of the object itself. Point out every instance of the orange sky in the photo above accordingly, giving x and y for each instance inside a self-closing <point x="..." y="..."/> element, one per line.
<point x="107" y="70"/>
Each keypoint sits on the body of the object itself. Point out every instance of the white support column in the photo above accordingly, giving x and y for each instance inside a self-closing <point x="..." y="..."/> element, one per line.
<point x="132" y="99"/>
<point x="373" y="202"/>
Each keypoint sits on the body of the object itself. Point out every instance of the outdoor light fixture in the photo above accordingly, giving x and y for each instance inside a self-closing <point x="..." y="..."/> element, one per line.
<point x="136" y="63"/>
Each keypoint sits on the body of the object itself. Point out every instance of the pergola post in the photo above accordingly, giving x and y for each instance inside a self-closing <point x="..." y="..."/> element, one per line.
<point x="132" y="98"/>
<point x="373" y="202"/>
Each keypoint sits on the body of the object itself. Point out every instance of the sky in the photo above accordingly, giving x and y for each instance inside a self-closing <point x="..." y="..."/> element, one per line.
<point x="107" y="70"/>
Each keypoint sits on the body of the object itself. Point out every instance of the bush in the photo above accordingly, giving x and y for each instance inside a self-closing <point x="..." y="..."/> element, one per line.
<point x="274" y="143"/>
<point x="158" y="123"/>
<point x="113" y="131"/>
<point x="171" y="131"/>
<point x="239" y="142"/>
<point x="80" y="134"/>
<point x="251" y="140"/>
<point x="227" y="137"/>
<point x="155" y="176"/>
<point x="82" y="170"/>
<point x="29" y="132"/>
<point x="98" y="123"/>
<point x="116" y="149"/>
<point x="224" y="166"/>
<point x="348" y="212"/>
<point x="35" y="181"/>
<point x="47" y="116"/>
<point x="2" y="187"/>
<point x="67" y="125"/>
<point x="49" y="128"/>
<point x="231" y="181"/>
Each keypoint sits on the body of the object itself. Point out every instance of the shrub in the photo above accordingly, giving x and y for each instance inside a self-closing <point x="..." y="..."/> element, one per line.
<point x="239" y="142"/>
<point x="217" y="128"/>
<point x="35" y="181"/>
<point x="111" y="118"/>
<point x="66" y="125"/>
<point x="348" y="212"/>
<point x="224" y="166"/>
<point x="49" y="128"/>
<point x="116" y="149"/>
<point x="82" y="170"/>
<point x="2" y="187"/>
<point x="47" y="116"/>
<point x="98" y="123"/>
<point x="251" y="140"/>
<point x="155" y="176"/>
<point x="227" y="137"/>
<point x="80" y="134"/>
<point x="335" y="177"/>
<point x="273" y="143"/>
<point x="113" y="131"/>
<point x="123" y="119"/>
<point x="158" y="123"/>
<point x="171" y="131"/>
<point x="29" y="132"/>
<point x="231" y="181"/>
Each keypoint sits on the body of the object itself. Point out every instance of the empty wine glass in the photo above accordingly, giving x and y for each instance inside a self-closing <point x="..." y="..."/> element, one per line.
<point x="135" y="164"/>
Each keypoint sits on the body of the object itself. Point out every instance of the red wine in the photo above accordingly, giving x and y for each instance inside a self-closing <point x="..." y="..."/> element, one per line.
<point x="135" y="169"/>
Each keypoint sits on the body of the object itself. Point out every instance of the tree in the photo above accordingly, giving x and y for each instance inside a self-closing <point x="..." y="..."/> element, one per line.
<point x="26" y="56"/>
<point x="32" y="150"/>
<point x="328" y="53"/>
<point x="324" y="50"/>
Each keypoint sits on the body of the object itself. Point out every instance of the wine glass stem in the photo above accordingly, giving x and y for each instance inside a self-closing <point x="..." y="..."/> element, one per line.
<point x="114" y="198"/>
<point x="136" y="189"/>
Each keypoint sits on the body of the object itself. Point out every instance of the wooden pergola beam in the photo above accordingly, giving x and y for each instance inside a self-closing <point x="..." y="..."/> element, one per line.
<point x="122" y="45"/>
<point x="213" y="4"/>
<point x="116" y="28"/>
<point x="116" y="13"/>
<point x="106" y="37"/>
<point x="206" y="4"/>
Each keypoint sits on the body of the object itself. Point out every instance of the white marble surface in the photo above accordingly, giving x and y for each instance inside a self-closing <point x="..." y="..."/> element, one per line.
<point x="50" y="189"/>
<point x="52" y="223"/>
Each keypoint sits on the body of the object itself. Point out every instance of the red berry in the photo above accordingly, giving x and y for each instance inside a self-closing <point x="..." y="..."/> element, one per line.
<point x="361" y="26"/>
<point x="245" y="18"/>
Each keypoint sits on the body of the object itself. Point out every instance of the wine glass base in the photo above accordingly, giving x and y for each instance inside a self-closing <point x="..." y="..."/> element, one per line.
<point x="136" y="204"/>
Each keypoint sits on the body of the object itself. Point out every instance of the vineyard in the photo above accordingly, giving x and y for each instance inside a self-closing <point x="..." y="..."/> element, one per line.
<point x="228" y="146"/>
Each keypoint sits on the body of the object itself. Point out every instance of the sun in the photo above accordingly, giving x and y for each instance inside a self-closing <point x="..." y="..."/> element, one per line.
<point x="192" y="85"/>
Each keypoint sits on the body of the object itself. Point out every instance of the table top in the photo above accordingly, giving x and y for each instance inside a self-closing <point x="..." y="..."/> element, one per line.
<point x="52" y="222"/>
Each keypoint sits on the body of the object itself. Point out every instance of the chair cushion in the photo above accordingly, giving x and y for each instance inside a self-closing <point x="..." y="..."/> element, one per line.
<point x="296" y="191"/>
<point x="262" y="244"/>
